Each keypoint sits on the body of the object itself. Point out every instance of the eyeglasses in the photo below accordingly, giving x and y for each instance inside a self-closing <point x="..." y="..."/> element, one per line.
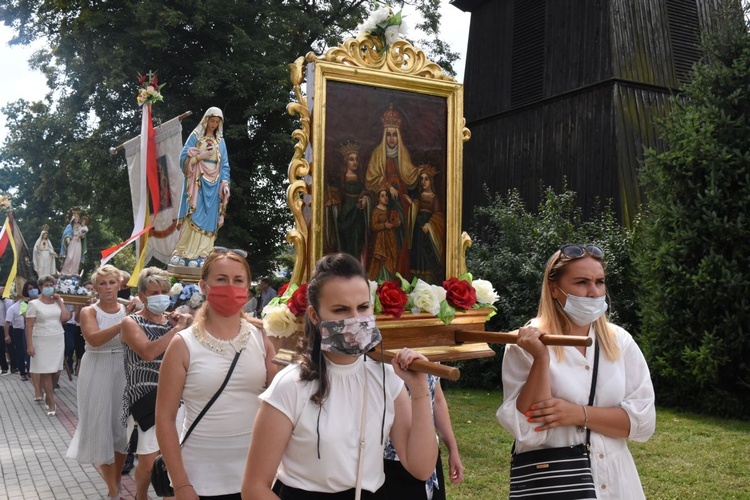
<point x="577" y="251"/>
<point x="236" y="251"/>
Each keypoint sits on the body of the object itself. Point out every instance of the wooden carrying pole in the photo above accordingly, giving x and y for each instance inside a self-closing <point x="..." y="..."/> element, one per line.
<point x="512" y="337"/>
<point x="419" y="365"/>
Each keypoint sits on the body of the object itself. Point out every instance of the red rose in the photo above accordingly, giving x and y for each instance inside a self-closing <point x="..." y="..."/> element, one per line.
<point x="392" y="298"/>
<point x="297" y="303"/>
<point x="282" y="289"/>
<point x="459" y="293"/>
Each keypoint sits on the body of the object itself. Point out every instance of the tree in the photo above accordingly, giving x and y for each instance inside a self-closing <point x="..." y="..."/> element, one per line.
<point x="210" y="53"/>
<point x="696" y="236"/>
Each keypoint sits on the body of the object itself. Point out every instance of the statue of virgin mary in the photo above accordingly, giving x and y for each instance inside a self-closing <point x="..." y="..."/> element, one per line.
<point x="44" y="254"/>
<point x="206" y="190"/>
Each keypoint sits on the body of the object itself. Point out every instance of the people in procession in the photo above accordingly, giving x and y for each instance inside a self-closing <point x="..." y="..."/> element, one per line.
<point x="15" y="329"/>
<point x="100" y="437"/>
<point x="311" y="419"/>
<point x="546" y="389"/>
<point x="400" y="484"/>
<point x="45" y="340"/>
<point x="211" y="460"/>
<point x="146" y="335"/>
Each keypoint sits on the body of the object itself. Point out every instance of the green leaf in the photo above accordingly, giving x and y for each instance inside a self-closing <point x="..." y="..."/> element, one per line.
<point x="405" y="286"/>
<point x="466" y="277"/>
<point x="447" y="313"/>
<point x="377" y="307"/>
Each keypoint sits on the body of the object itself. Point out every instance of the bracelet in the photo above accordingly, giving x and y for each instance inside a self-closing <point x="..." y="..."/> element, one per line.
<point x="414" y="398"/>
<point x="585" y="420"/>
<point x="178" y="487"/>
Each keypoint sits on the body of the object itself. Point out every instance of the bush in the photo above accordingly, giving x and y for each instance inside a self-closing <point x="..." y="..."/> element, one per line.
<point x="695" y="245"/>
<point x="511" y="248"/>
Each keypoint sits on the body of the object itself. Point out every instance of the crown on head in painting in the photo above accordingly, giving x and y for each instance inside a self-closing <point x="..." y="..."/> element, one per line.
<point x="391" y="118"/>
<point x="349" y="148"/>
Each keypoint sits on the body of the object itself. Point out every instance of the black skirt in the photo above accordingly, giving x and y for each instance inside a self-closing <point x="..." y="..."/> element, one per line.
<point x="400" y="485"/>
<point x="288" y="493"/>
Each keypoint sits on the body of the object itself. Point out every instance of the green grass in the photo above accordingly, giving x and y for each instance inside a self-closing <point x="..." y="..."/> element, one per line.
<point x="689" y="455"/>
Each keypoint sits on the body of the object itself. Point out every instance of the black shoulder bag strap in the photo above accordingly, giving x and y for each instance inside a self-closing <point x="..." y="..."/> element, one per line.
<point x="593" y="387"/>
<point x="214" y="398"/>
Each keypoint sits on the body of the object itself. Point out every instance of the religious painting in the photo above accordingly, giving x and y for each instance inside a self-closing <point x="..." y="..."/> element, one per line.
<point x="383" y="170"/>
<point x="384" y="187"/>
<point x="165" y="196"/>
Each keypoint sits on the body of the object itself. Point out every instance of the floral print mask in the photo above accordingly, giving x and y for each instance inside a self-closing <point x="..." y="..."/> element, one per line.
<point x="352" y="336"/>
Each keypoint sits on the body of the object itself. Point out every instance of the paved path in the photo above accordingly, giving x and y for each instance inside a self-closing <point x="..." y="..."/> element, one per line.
<point x="33" y="464"/>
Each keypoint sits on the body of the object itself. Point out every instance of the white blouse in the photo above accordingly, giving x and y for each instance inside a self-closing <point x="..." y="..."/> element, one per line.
<point x="624" y="383"/>
<point x="340" y="420"/>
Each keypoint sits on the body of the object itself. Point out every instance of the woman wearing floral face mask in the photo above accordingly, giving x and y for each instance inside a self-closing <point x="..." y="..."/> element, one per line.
<point x="211" y="460"/>
<point x="45" y="340"/>
<point x="546" y="389"/>
<point x="319" y="409"/>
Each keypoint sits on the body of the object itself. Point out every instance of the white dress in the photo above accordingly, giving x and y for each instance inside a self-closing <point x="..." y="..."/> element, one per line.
<point x="624" y="383"/>
<point x="101" y="383"/>
<point x="214" y="454"/>
<point x="340" y="421"/>
<point x="48" y="337"/>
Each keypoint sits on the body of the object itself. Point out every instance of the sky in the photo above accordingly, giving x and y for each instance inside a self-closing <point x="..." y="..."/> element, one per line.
<point x="18" y="81"/>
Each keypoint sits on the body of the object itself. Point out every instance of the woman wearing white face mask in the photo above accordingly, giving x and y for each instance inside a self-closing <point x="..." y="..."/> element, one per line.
<point x="45" y="340"/>
<point x="318" y="410"/>
<point x="546" y="389"/>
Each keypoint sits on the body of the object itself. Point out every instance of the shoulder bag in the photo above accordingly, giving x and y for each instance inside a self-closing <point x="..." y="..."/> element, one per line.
<point x="556" y="473"/>
<point x="159" y="474"/>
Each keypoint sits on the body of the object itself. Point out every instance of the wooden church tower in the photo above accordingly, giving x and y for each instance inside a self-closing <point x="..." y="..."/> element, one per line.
<point x="571" y="89"/>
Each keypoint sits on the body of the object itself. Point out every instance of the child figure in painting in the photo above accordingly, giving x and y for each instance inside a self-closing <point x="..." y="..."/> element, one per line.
<point x="383" y="223"/>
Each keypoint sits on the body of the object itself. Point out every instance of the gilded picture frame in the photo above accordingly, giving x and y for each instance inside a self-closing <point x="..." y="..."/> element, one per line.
<point x="359" y="98"/>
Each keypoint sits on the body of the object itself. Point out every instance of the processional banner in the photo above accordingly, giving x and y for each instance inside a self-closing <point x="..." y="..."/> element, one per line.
<point x="164" y="236"/>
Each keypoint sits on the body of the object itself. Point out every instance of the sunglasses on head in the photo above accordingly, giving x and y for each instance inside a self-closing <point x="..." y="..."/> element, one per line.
<point x="570" y="251"/>
<point x="236" y="251"/>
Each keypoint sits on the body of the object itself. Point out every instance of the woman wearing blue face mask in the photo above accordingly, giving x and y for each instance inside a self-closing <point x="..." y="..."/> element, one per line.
<point x="547" y="389"/>
<point x="100" y="437"/>
<point x="323" y="422"/>
<point x="45" y="339"/>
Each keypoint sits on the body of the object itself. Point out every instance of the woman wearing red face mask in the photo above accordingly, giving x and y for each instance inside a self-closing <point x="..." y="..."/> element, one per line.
<point x="212" y="458"/>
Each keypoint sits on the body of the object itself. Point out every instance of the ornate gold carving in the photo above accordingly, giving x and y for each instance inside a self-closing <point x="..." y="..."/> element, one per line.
<point x="465" y="243"/>
<point x="401" y="57"/>
<point x="299" y="168"/>
<point x="466" y="132"/>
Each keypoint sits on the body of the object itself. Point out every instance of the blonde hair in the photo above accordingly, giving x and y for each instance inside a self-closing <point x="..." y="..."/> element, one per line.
<point x="154" y="275"/>
<point x="105" y="271"/>
<point x="551" y="317"/>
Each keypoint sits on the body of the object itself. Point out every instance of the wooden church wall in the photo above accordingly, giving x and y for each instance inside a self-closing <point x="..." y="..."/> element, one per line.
<point x="570" y="89"/>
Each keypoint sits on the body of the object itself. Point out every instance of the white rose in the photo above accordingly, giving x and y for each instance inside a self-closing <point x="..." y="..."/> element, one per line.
<point x="367" y="27"/>
<point x="486" y="294"/>
<point x="391" y="34"/>
<point x="195" y="300"/>
<point x="403" y="28"/>
<point x="373" y="289"/>
<point x="380" y="15"/>
<point x="175" y="290"/>
<point x="279" y="321"/>
<point x="426" y="298"/>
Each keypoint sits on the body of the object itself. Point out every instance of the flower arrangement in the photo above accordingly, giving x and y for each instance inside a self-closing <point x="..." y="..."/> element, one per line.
<point x="462" y="293"/>
<point x="5" y="205"/>
<point x="149" y="90"/>
<point x="281" y="313"/>
<point x="70" y="285"/>
<point x="393" y="298"/>
<point x="384" y="24"/>
<point x="185" y="295"/>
